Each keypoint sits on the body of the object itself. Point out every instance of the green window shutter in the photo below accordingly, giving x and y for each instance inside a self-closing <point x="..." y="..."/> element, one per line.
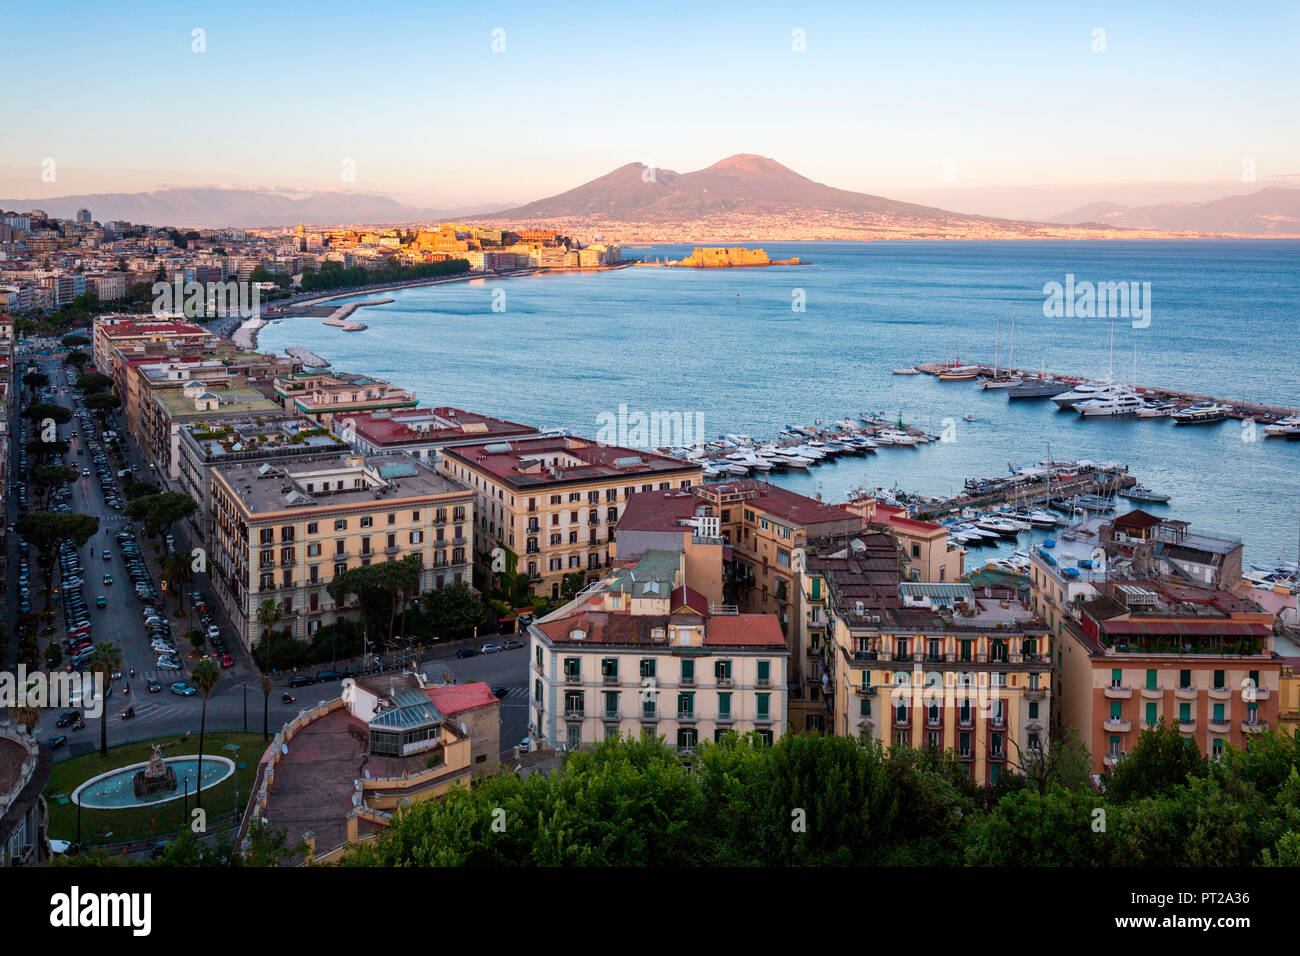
<point x="1116" y="677"/>
<point x="761" y="701"/>
<point x="1151" y="680"/>
<point x="1151" y="712"/>
<point x="1184" y="711"/>
<point x="1115" y="710"/>
<point x="764" y="670"/>
<point x="1218" y="713"/>
<point x="1033" y="710"/>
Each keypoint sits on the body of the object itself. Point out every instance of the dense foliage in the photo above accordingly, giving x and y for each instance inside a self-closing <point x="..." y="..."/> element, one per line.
<point x="836" y="801"/>
<point x="332" y="275"/>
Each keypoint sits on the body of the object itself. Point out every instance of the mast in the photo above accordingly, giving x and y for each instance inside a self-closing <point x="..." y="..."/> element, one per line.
<point x="1011" y="359"/>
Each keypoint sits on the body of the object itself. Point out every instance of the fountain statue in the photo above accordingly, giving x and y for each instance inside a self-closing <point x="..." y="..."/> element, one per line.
<point x="156" y="777"/>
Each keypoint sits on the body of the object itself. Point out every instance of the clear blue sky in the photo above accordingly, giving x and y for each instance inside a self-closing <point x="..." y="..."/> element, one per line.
<point x="1010" y="92"/>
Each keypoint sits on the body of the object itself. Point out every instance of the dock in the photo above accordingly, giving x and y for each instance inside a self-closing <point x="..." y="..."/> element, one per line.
<point x="1254" y="411"/>
<point x="1087" y="480"/>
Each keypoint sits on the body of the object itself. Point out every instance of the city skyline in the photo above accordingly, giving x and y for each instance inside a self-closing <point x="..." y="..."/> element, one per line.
<point x="978" y="105"/>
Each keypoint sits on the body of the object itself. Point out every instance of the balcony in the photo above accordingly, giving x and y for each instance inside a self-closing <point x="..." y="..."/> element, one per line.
<point x="575" y="713"/>
<point x="865" y="691"/>
<point x="762" y="682"/>
<point x="1114" y="692"/>
<point x="933" y="723"/>
<point x="997" y="756"/>
<point x="1220" y="726"/>
<point x="724" y="681"/>
<point x="965" y="755"/>
<point x="1035" y="693"/>
<point x="688" y="681"/>
<point x="1152" y="693"/>
<point x="686" y="716"/>
<point x="609" y="678"/>
<point x="1185" y="693"/>
<point x="573" y="678"/>
<point x="1258" y="693"/>
<point x="727" y="718"/>
<point x="904" y="723"/>
<point x="1186" y="726"/>
<point x="1220" y="693"/>
<point x="997" y="723"/>
<point x="965" y="722"/>
<point x="1111" y="759"/>
<point x="649" y="714"/>
<point x="1117" y="725"/>
<point x="1254" y="726"/>
<point x="866" y="723"/>
<point x="763" y="719"/>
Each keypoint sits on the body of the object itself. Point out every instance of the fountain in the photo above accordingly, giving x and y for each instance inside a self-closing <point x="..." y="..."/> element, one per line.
<point x="156" y="777"/>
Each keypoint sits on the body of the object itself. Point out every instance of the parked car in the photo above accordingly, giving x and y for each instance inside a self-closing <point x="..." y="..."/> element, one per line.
<point x="301" y="680"/>
<point x="183" y="689"/>
<point x="467" y="652"/>
<point x="490" y="648"/>
<point x="327" y="675"/>
<point x="227" y="662"/>
<point x="512" y="644"/>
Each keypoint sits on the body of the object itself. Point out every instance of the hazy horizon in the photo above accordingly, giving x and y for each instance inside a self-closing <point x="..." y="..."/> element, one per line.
<point x="997" y="109"/>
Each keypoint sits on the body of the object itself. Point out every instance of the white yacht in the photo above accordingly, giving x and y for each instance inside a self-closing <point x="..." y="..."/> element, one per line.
<point x="1121" y="403"/>
<point x="1156" y="410"/>
<point x="1202" y="413"/>
<point x="1086" y="391"/>
<point x="1284" y="428"/>
<point x="893" y="436"/>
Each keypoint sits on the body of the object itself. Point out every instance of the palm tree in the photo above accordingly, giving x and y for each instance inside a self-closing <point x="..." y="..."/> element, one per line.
<point x="27" y="716"/>
<point x="269" y="613"/>
<point x="105" y="660"/>
<point x="178" y="572"/>
<point x="205" y="677"/>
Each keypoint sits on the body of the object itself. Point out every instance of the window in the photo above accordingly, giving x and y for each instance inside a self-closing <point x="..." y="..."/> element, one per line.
<point x="724" y="705"/>
<point x="1115" y="710"/>
<point x="1116" y="677"/>
<point x="340" y="524"/>
<point x="609" y="668"/>
<point x="1220" y="682"/>
<point x="763" y="672"/>
<point x="1151" y="680"/>
<point x="647" y="668"/>
<point x="687" y="738"/>
<point x="367" y="521"/>
<point x="1218" y="713"/>
<point x="1151" y="713"/>
<point x="1184" y="713"/>
<point x="762" y="706"/>
<point x="722" y="671"/>
<point x="688" y="671"/>
<point x="611" y="703"/>
<point x="685" y="706"/>
<point x="312" y="527"/>
<point x="1185" y="679"/>
<point x="1033" y="710"/>
<point x="572" y="668"/>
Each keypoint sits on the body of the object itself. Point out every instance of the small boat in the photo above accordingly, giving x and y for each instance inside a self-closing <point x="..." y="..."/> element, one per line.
<point x="998" y="525"/>
<point x="968" y="418"/>
<point x="910" y="370"/>
<point x="1143" y="493"/>
<point x="1038" y="388"/>
<point x="892" y="436"/>
<point x="1202" y="413"/>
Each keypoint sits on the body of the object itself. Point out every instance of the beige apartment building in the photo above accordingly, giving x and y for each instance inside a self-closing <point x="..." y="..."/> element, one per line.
<point x="285" y="529"/>
<point x="644" y="654"/>
<point x="927" y="665"/>
<point x="325" y="397"/>
<point x="554" y="501"/>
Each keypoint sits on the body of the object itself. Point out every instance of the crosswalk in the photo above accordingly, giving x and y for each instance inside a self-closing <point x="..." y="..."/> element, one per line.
<point x="515" y="692"/>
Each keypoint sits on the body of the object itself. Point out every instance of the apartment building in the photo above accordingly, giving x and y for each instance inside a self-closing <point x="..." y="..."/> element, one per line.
<point x="934" y="665"/>
<point x="125" y="332"/>
<point x="642" y="653"/>
<point x="325" y="397"/>
<point x="923" y="545"/>
<point x="767" y="527"/>
<point x="201" y="404"/>
<point x="285" y="529"/>
<point x="681" y="521"/>
<point x="421" y="432"/>
<point x="1143" y="651"/>
<point x="555" y="501"/>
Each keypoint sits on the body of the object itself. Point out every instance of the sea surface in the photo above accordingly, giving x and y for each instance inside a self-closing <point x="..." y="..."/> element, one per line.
<point x="750" y="350"/>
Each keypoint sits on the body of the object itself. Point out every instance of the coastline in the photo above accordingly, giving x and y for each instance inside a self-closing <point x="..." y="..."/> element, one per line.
<point x="246" y="335"/>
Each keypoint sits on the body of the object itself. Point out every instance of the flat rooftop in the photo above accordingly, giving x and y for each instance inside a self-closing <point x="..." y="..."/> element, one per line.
<point x="539" y="462"/>
<point x="242" y="400"/>
<point x="337" y="481"/>
<point x="432" y="425"/>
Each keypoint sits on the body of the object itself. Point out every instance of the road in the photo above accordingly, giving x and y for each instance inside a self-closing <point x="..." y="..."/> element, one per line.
<point x="236" y="704"/>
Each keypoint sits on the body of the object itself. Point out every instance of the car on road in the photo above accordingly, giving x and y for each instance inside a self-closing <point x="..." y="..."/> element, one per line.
<point x="67" y="717"/>
<point x="227" y="662"/>
<point x="57" y="741"/>
<point x="512" y="644"/>
<point x="108" y="555"/>
<point x="183" y="689"/>
<point x="490" y="648"/>
<point x="108" y="579"/>
<point x="327" y="675"/>
<point x="167" y="664"/>
<point x="467" y="652"/>
<point x="301" y="680"/>
<point x="101" y="601"/>
<point x="153" y="685"/>
<point x="159" y="849"/>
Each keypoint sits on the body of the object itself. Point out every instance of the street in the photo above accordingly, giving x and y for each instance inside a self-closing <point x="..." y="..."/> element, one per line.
<point x="236" y="704"/>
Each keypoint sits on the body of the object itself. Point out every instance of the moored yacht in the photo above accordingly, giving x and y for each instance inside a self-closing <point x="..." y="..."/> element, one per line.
<point x="1284" y="428"/>
<point x="1086" y="391"/>
<point x="1202" y="413"/>
<point x="1121" y="403"/>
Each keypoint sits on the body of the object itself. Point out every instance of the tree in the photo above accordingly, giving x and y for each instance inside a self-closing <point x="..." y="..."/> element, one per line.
<point x="159" y="512"/>
<point x="102" y="402"/>
<point x="105" y="660"/>
<point x="47" y="477"/>
<point x="76" y="340"/>
<point x="1161" y="760"/>
<point x="76" y="359"/>
<point x="1066" y="762"/>
<point x="452" y="612"/>
<point x="40" y="411"/>
<point x="92" y="383"/>
<point x="27" y="716"/>
<point x="45" y="529"/>
<point x="178" y="572"/>
<point x="36" y="380"/>
<point x="205" y="677"/>
<point x="269" y="613"/>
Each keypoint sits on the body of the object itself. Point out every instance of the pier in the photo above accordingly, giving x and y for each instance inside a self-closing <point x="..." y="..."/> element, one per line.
<point x="1030" y="492"/>
<point x="1255" y="411"/>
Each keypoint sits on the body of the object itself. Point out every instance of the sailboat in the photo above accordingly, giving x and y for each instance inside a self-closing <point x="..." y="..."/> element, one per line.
<point x="1002" y="381"/>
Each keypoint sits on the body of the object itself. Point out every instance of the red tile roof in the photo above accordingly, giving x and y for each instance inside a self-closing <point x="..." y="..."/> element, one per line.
<point x="590" y="461"/>
<point x="783" y="504"/>
<point x="454" y="698"/>
<point x="393" y="428"/>
<point x="744" y="630"/>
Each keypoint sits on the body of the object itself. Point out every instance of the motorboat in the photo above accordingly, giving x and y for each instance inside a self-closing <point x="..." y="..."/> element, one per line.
<point x="1000" y="383"/>
<point x="1284" y="428"/>
<point x="910" y="370"/>
<point x="1038" y="388"/>
<point x="1143" y="493"/>
<point x="1112" y="406"/>
<point x="1086" y="391"/>
<point x="998" y="525"/>
<point x="1156" y="410"/>
<point x="1202" y="413"/>
<point x="894" y="436"/>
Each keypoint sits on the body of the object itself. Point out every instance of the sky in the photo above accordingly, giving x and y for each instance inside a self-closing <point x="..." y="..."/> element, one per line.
<point x="897" y="99"/>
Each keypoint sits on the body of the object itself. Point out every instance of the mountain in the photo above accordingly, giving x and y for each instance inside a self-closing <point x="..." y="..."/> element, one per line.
<point x="211" y="207"/>
<point x="744" y="182"/>
<point x="1273" y="211"/>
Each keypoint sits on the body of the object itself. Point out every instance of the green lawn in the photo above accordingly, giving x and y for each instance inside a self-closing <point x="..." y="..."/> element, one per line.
<point x="142" y="823"/>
